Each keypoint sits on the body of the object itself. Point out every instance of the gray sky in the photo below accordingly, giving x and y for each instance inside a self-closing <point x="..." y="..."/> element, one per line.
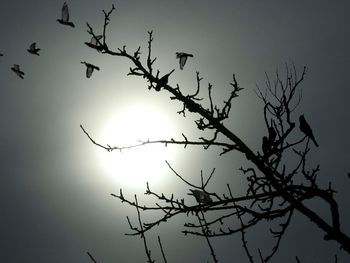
<point x="55" y="185"/>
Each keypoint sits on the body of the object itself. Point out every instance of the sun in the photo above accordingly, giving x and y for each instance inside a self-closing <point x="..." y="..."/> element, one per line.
<point x="136" y="166"/>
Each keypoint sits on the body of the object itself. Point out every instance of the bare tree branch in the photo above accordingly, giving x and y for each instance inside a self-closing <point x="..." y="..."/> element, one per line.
<point x="91" y="257"/>
<point x="275" y="189"/>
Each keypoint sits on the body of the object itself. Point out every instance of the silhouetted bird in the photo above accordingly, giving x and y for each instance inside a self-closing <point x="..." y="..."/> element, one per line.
<point x="201" y="197"/>
<point x="265" y="145"/>
<point x="163" y="81"/>
<point x="89" y="68"/>
<point x="95" y="40"/>
<point x="183" y="58"/>
<point x="65" y="16"/>
<point x="95" y="44"/>
<point x="267" y="142"/>
<point x="306" y="129"/>
<point x="17" y="70"/>
<point x="272" y="135"/>
<point x="33" y="50"/>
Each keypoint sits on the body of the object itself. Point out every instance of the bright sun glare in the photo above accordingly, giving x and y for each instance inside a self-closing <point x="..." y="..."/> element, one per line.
<point x="134" y="167"/>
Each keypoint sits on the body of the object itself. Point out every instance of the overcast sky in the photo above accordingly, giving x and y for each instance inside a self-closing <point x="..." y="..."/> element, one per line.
<point x="55" y="185"/>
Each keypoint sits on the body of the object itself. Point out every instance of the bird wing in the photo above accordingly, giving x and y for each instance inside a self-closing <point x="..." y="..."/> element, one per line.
<point x="306" y="129"/>
<point x="178" y="54"/>
<point x="304" y="126"/>
<point x="201" y="197"/>
<point x="196" y="194"/>
<point x="18" y="72"/>
<point x="89" y="71"/>
<point x="94" y="40"/>
<point x="65" y="12"/>
<point x="183" y="60"/>
<point x="32" y="46"/>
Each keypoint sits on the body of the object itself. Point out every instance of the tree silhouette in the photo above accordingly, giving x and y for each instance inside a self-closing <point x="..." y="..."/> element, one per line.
<point x="275" y="189"/>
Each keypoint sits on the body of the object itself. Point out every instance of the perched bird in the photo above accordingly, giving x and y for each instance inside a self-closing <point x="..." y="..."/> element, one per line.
<point x="17" y="70"/>
<point x="95" y="43"/>
<point x="89" y="68"/>
<point x="201" y="196"/>
<point x="267" y="142"/>
<point x="183" y="58"/>
<point x="306" y="129"/>
<point x="33" y="49"/>
<point x="272" y="135"/>
<point x="163" y="81"/>
<point x="65" y="16"/>
<point x="265" y="145"/>
<point x="95" y="40"/>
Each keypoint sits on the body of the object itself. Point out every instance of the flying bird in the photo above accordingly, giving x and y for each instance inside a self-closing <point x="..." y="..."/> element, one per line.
<point x="306" y="129"/>
<point x="33" y="49"/>
<point x="163" y="81"/>
<point x="183" y="58"/>
<point x="201" y="196"/>
<point x="65" y="16"/>
<point x="89" y="68"/>
<point x="17" y="70"/>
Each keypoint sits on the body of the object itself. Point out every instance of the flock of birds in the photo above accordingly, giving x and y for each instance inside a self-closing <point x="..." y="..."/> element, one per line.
<point x="201" y="197"/>
<point x="64" y="20"/>
<point x="268" y="141"/>
<point x="32" y="50"/>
